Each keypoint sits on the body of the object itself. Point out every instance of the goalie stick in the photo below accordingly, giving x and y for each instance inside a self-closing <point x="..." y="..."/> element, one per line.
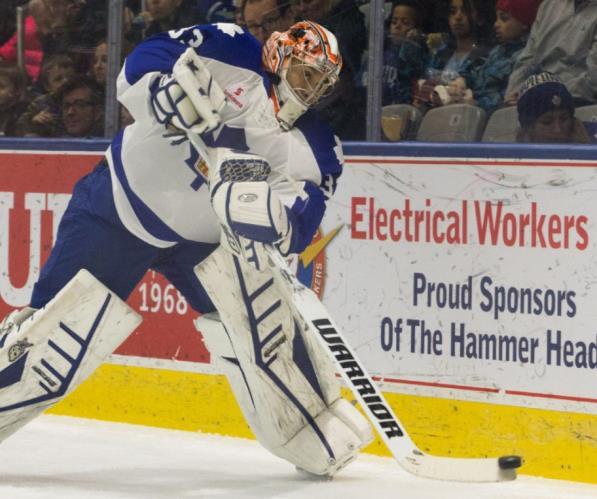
<point x="354" y="374"/>
<point x="378" y="411"/>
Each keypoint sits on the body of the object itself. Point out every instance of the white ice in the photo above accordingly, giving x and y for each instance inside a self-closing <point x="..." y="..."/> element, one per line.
<point x="68" y="458"/>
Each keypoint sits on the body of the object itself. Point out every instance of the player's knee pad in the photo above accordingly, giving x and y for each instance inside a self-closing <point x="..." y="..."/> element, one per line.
<point x="46" y="353"/>
<point x="284" y="382"/>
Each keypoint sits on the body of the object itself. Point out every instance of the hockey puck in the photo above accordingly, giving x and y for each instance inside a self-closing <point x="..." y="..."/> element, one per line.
<point x="509" y="462"/>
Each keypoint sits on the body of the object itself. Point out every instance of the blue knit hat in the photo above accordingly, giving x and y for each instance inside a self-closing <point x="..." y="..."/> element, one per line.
<point x="541" y="93"/>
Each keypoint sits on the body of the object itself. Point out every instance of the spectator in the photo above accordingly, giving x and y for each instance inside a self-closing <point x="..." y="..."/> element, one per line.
<point x="263" y="17"/>
<point x="405" y="54"/>
<point x="37" y="25"/>
<point x="463" y="51"/>
<point x="563" y="41"/>
<point x="488" y="82"/>
<point x="546" y="113"/>
<point x="42" y="117"/>
<point x="67" y="32"/>
<point x="99" y="65"/>
<point x="12" y="98"/>
<point x="464" y="48"/>
<point x="81" y="109"/>
<point x="345" y="20"/>
<point x="55" y="72"/>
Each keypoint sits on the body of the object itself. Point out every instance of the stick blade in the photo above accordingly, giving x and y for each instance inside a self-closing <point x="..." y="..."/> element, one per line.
<point x="462" y="469"/>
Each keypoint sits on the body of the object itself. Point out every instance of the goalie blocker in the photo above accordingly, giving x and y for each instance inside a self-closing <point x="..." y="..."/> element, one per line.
<point x="283" y="381"/>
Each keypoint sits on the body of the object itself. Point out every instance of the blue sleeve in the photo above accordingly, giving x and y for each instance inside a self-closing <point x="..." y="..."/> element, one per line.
<point x="304" y="216"/>
<point x="224" y="42"/>
<point x="306" y="213"/>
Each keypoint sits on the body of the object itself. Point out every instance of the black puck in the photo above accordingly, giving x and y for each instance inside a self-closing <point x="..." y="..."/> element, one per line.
<point x="509" y="462"/>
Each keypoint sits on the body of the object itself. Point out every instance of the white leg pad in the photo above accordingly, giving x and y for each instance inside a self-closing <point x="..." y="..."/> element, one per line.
<point x="45" y="355"/>
<point x="284" y="383"/>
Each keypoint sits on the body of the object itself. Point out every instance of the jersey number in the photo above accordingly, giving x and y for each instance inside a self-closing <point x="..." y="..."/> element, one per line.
<point x="194" y="40"/>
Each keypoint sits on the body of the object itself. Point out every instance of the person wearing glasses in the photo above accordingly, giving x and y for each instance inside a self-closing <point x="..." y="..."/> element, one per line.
<point x="81" y="109"/>
<point x="263" y="17"/>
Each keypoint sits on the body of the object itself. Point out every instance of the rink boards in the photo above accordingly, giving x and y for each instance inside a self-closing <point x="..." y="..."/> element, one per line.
<point x="464" y="276"/>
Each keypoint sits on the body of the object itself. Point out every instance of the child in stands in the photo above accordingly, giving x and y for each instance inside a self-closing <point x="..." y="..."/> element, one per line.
<point x="546" y="113"/>
<point x="42" y="117"/>
<point x="464" y="50"/>
<point x="488" y="82"/>
<point x="405" y="55"/>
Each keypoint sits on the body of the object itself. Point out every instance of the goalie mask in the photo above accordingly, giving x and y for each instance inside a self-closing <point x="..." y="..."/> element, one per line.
<point x="307" y="60"/>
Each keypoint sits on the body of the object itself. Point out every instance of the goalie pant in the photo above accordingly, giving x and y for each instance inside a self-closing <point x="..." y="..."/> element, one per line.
<point x="283" y="381"/>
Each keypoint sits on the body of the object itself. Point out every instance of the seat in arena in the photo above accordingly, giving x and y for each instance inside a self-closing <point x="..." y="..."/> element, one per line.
<point x="452" y="123"/>
<point x="502" y="125"/>
<point x="400" y="121"/>
<point x="587" y="113"/>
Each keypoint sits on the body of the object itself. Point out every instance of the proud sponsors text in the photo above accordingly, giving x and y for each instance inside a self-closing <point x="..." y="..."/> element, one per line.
<point x="485" y="223"/>
<point x="456" y="338"/>
<point x="494" y="298"/>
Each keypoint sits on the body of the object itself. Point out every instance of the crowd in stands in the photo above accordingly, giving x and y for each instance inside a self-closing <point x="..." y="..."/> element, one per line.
<point x="484" y="53"/>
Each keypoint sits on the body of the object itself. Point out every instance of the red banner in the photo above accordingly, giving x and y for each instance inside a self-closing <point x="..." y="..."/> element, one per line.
<point x="34" y="192"/>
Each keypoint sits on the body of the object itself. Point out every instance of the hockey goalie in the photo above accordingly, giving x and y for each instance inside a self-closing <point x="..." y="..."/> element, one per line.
<point x="153" y="204"/>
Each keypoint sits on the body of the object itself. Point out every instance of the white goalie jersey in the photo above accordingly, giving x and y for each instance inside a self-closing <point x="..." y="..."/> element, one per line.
<point x="159" y="193"/>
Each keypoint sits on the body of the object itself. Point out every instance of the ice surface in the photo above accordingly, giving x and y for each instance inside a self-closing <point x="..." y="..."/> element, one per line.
<point x="68" y="458"/>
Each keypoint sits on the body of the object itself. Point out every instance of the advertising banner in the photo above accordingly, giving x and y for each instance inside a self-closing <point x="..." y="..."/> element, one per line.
<point x="35" y="189"/>
<point x="459" y="278"/>
<point x="472" y="279"/>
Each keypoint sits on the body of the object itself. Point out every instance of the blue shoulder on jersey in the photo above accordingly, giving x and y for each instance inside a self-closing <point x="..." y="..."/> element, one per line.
<point x="305" y="214"/>
<point x="322" y="141"/>
<point x="224" y="42"/>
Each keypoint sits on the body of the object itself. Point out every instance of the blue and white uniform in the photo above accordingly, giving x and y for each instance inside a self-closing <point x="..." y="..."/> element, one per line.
<point x="159" y="195"/>
<point x="152" y="208"/>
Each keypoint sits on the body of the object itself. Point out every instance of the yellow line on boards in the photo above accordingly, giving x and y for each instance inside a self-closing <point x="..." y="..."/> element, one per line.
<point x="553" y="444"/>
<point x="157" y="397"/>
